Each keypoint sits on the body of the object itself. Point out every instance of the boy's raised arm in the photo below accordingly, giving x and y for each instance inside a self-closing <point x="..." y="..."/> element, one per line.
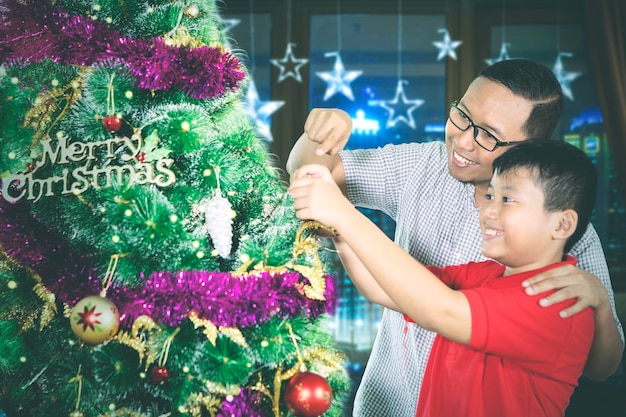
<point x="415" y="290"/>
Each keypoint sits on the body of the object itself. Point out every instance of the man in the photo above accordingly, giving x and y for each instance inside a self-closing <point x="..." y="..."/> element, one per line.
<point x="510" y="101"/>
<point x="497" y="353"/>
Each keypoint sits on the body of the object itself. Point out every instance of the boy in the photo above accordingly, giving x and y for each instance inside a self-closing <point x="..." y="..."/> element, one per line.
<point x="497" y="353"/>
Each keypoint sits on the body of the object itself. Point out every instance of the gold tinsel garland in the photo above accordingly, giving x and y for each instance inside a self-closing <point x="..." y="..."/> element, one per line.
<point x="45" y="312"/>
<point x="304" y="247"/>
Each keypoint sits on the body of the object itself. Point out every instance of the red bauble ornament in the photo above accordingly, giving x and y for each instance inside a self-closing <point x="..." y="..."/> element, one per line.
<point x="94" y="319"/>
<point x="112" y="123"/>
<point x="159" y="374"/>
<point x="308" y="395"/>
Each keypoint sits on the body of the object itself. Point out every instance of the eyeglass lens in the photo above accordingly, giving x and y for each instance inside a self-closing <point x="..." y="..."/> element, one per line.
<point x="481" y="136"/>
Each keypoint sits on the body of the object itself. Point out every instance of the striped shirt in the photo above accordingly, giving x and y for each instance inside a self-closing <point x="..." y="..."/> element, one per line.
<point x="437" y="223"/>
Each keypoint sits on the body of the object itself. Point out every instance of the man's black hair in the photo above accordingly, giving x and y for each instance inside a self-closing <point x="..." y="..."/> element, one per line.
<point x="536" y="83"/>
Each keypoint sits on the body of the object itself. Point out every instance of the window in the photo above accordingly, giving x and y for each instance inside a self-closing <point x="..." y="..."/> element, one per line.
<point x="581" y="121"/>
<point x="380" y="58"/>
<point x="379" y="55"/>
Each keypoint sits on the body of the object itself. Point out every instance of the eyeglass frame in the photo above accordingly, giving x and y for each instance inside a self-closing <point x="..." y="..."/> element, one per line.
<point x="471" y="123"/>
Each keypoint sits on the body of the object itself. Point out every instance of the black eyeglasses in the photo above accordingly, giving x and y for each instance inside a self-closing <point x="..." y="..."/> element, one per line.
<point x="482" y="137"/>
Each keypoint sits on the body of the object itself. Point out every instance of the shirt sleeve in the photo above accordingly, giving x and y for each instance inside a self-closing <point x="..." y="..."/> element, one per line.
<point x="376" y="178"/>
<point x="454" y="276"/>
<point x="588" y="251"/>
<point x="508" y="323"/>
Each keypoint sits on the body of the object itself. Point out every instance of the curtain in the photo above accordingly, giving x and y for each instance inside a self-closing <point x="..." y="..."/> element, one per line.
<point x="605" y="24"/>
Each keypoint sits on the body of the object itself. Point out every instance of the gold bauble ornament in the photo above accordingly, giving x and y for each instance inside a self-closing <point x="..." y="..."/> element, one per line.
<point x="95" y="319"/>
<point x="192" y="11"/>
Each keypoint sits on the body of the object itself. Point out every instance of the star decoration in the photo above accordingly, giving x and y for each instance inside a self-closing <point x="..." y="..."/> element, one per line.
<point x="504" y="55"/>
<point x="400" y="108"/>
<point x="261" y="111"/>
<point x="89" y="318"/>
<point x="446" y="46"/>
<point x="289" y="65"/>
<point x="564" y="77"/>
<point x="338" y="79"/>
<point x="228" y="24"/>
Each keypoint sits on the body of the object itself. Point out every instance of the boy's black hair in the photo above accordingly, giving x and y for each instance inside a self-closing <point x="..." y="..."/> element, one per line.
<point x="536" y="83"/>
<point x="565" y="174"/>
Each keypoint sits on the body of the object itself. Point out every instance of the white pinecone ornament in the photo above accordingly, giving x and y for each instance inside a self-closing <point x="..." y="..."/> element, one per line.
<point x="219" y="223"/>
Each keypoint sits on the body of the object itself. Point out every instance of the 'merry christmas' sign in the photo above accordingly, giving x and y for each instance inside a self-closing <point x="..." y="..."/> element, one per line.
<point x="104" y="163"/>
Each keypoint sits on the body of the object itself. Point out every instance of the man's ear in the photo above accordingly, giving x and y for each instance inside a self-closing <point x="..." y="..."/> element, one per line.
<point x="566" y="226"/>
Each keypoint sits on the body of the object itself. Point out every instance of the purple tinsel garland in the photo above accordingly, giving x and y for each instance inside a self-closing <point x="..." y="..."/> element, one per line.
<point x="224" y="299"/>
<point x="247" y="404"/>
<point x="167" y="297"/>
<point x="36" y="31"/>
<point x="67" y="274"/>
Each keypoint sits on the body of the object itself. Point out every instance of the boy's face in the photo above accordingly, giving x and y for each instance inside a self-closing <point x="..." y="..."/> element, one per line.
<point x="517" y="231"/>
<point x="495" y="108"/>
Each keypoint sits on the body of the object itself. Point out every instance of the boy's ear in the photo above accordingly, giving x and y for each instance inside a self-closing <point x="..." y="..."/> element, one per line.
<point x="566" y="226"/>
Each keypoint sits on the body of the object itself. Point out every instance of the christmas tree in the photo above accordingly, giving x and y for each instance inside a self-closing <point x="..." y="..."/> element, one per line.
<point x="151" y="263"/>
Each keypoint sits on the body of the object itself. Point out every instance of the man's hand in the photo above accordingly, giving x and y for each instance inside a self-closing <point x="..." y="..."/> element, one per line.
<point x="569" y="282"/>
<point x="330" y="128"/>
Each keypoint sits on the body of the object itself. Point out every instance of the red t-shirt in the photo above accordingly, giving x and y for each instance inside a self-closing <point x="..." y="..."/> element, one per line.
<point x="522" y="360"/>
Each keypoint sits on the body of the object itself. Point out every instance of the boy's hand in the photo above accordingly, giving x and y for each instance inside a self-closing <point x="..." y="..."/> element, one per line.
<point x="313" y="171"/>
<point x="316" y="196"/>
<point x="569" y="282"/>
<point x="330" y="128"/>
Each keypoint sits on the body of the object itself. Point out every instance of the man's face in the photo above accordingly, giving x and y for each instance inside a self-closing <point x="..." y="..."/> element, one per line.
<point x="495" y="108"/>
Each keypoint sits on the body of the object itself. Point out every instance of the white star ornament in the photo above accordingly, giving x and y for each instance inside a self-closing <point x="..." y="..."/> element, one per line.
<point x="289" y="65"/>
<point x="447" y="46"/>
<point x="261" y="111"/>
<point x="338" y="79"/>
<point x="400" y="108"/>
